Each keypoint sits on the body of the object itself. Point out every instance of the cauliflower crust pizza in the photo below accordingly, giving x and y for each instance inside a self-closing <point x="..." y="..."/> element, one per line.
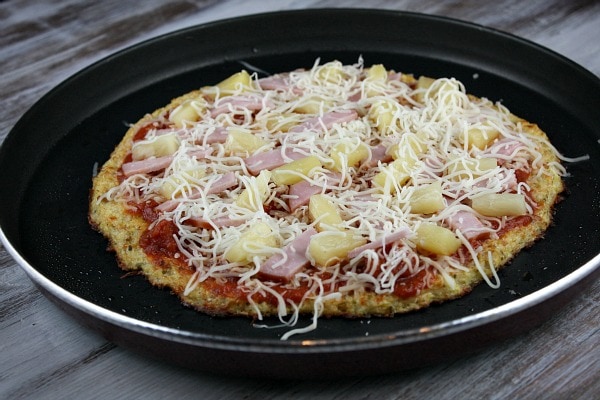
<point x="335" y="191"/>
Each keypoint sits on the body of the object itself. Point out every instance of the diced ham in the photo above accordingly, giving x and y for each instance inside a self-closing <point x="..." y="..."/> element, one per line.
<point x="326" y="121"/>
<point x="300" y="192"/>
<point x="355" y="97"/>
<point x="200" y="153"/>
<point x="146" y="166"/>
<point x="278" y="83"/>
<point x="282" y="267"/>
<point x="508" y="181"/>
<point x="378" y="153"/>
<point x="504" y="149"/>
<point x="252" y="103"/>
<point x="435" y="167"/>
<point x="222" y="183"/>
<point x="170" y="205"/>
<point x="275" y="82"/>
<point x="219" y="135"/>
<point x="219" y="222"/>
<point x="270" y="159"/>
<point x="468" y="224"/>
<point x="153" y="164"/>
<point x="382" y="242"/>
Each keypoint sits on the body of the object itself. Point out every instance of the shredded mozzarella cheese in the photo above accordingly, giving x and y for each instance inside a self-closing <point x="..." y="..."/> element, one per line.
<point x="433" y="133"/>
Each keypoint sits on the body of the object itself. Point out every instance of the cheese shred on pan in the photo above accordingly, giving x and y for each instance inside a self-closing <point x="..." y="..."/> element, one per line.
<point x="339" y="190"/>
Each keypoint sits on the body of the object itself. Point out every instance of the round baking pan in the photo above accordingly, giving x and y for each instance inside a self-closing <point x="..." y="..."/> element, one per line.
<point x="49" y="158"/>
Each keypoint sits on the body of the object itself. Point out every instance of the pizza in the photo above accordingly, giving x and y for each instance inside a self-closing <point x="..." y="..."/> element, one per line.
<point x="332" y="191"/>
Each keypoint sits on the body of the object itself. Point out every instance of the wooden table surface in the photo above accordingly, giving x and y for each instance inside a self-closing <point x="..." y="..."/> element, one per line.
<point x="46" y="354"/>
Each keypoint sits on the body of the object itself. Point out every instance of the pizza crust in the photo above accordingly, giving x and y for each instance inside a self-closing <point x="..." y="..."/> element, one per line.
<point x="123" y="229"/>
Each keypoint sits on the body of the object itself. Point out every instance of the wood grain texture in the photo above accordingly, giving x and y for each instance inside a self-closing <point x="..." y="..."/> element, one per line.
<point x="46" y="354"/>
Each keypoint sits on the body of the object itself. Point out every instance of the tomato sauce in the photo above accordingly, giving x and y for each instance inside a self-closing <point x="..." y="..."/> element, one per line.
<point x="411" y="286"/>
<point x="146" y="210"/>
<point x="144" y="129"/>
<point x="159" y="240"/>
<point x="522" y="175"/>
<point x="230" y="289"/>
<point x="516" y="222"/>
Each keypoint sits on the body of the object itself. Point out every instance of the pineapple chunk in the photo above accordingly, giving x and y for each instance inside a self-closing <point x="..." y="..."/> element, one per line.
<point x="236" y="83"/>
<point x="409" y="142"/>
<point x="327" y="248"/>
<point x="281" y="123"/>
<point x="242" y="141"/>
<point x="427" y="199"/>
<point x="499" y="205"/>
<point x="383" y="115"/>
<point x="258" y="240"/>
<point x="377" y="72"/>
<point x="174" y="186"/>
<point x="423" y="83"/>
<point x="313" y="105"/>
<point x="468" y="168"/>
<point x="163" y="145"/>
<point x="188" y="111"/>
<point x="480" y="137"/>
<point x="398" y="171"/>
<point x="295" y="171"/>
<point x="255" y="193"/>
<point x="436" y="239"/>
<point x="347" y="154"/>
<point x="332" y="72"/>
<point x="431" y="88"/>
<point x="322" y="210"/>
<point x="375" y="79"/>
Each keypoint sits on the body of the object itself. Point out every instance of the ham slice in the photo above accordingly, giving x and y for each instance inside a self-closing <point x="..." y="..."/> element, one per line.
<point x="300" y="192"/>
<point x="326" y="121"/>
<point x="504" y="149"/>
<point x="382" y="242"/>
<point x="283" y="267"/>
<point x="146" y="166"/>
<point x="274" y="82"/>
<point x="153" y="164"/>
<point x="200" y="153"/>
<point x="222" y="183"/>
<point x="252" y="103"/>
<point x="378" y="153"/>
<point x="469" y="225"/>
<point x="270" y="159"/>
<point x="219" y="222"/>
<point x="219" y="135"/>
<point x="278" y="83"/>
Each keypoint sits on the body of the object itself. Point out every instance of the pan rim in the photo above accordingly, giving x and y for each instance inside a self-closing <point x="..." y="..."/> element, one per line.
<point x="293" y="346"/>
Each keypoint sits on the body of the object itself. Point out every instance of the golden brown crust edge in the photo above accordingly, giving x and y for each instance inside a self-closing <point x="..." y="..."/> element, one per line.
<point x="123" y="230"/>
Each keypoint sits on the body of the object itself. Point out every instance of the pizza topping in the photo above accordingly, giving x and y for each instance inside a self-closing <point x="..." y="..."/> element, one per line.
<point x="214" y="223"/>
<point x="292" y="259"/>
<point x="332" y="180"/>
<point x="326" y="121"/>
<point x="469" y="225"/>
<point x="217" y="184"/>
<point x="382" y="242"/>
<point x="272" y="159"/>
<point x="300" y="193"/>
<point x="241" y="104"/>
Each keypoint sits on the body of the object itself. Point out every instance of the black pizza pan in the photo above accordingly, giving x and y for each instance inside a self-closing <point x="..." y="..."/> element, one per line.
<point x="49" y="158"/>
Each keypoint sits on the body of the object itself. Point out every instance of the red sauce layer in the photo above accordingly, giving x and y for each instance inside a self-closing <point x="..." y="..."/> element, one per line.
<point x="411" y="286"/>
<point x="160" y="241"/>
